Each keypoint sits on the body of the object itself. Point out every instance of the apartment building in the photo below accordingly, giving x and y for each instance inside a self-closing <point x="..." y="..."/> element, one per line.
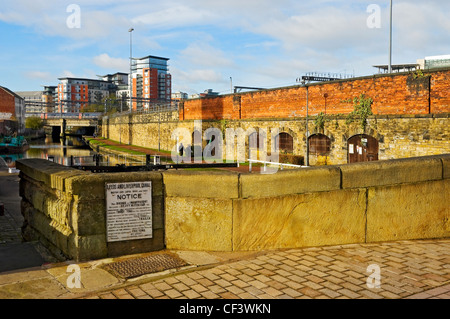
<point x="120" y="80"/>
<point x="178" y="96"/>
<point x="151" y="81"/>
<point x="33" y="101"/>
<point x="75" y="94"/>
<point x="50" y="98"/>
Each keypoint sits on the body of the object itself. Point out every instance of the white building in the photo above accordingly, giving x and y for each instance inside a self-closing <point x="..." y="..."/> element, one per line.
<point x="33" y="101"/>
<point x="433" y="62"/>
<point x="180" y="96"/>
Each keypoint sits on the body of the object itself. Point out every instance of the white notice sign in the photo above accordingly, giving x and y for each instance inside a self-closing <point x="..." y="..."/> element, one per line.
<point x="129" y="211"/>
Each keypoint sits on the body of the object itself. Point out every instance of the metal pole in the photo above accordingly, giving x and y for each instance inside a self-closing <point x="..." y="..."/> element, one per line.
<point x="131" y="69"/>
<point x="390" y="41"/>
<point x="159" y="132"/>
<point x="307" y="128"/>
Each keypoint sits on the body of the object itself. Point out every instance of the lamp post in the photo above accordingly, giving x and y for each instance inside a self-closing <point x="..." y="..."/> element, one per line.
<point x="131" y="69"/>
<point x="305" y="85"/>
<point x="390" y="41"/>
<point x="307" y="126"/>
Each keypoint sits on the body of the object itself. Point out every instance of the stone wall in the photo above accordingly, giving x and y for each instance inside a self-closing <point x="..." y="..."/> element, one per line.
<point x="226" y="211"/>
<point x="146" y="130"/>
<point x="399" y="136"/>
<point x="66" y="209"/>
<point x="357" y="203"/>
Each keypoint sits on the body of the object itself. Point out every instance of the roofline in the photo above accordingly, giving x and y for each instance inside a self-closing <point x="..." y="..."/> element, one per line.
<point x="83" y="79"/>
<point x="358" y="78"/>
<point x="383" y="66"/>
<point x="121" y="73"/>
<point x="152" y="56"/>
<point x="11" y="93"/>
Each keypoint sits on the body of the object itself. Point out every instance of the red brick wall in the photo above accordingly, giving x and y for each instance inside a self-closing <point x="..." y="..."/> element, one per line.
<point x="214" y="108"/>
<point x="440" y="92"/>
<point x="392" y="94"/>
<point x="7" y="102"/>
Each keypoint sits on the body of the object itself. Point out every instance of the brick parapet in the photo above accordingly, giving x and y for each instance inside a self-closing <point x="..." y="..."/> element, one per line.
<point x="401" y="93"/>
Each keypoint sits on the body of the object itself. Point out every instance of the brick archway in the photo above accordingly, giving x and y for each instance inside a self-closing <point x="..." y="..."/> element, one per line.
<point x="285" y="143"/>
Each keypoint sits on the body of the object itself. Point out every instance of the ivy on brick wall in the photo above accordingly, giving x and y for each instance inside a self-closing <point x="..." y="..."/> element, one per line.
<point x="320" y="121"/>
<point x="362" y="110"/>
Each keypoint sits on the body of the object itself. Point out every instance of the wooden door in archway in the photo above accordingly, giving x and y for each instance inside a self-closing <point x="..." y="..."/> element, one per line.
<point x="362" y="148"/>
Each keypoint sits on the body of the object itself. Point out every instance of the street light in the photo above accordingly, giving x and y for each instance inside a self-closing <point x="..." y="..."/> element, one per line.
<point x="305" y="84"/>
<point x="390" y="41"/>
<point x="131" y="69"/>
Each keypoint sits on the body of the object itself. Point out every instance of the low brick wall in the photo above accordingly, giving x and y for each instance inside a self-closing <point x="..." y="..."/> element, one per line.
<point x="226" y="211"/>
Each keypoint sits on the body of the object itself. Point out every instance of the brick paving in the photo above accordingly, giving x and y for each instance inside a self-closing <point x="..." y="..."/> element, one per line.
<point x="408" y="269"/>
<point x="10" y="229"/>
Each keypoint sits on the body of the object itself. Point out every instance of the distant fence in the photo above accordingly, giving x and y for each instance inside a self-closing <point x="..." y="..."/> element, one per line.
<point x="46" y="116"/>
<point x="156" y="108"/>
<point x="108" y="160"/>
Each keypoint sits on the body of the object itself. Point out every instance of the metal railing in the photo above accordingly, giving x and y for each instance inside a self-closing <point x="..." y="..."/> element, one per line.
<point x="107" y="160"/>
<point x="159" y="108"/>
<point x="48" y="116"/>
<point x="265" y="163"/>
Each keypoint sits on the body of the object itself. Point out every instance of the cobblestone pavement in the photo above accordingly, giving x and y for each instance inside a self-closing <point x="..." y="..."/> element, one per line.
<point x="408" y="269"/>
<point x="418" y="269"/>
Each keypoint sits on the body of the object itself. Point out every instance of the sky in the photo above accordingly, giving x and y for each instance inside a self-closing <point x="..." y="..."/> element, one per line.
<point x="214" y="44"/>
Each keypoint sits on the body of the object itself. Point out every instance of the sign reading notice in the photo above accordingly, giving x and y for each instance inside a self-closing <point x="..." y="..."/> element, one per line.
<point x="129" y="211"/>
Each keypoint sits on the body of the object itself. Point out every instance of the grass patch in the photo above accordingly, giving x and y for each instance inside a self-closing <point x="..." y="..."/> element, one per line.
<point x="94" y="142"/>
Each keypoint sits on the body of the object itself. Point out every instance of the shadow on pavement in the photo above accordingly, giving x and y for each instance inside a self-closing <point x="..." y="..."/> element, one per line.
<point x="14" y="253"/>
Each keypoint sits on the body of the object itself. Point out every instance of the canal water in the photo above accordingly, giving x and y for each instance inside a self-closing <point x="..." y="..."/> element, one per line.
<point x="59" y="150"/>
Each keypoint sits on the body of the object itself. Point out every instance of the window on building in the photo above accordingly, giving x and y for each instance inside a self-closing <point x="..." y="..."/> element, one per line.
<point x="285" y="143"/>
<point x="319" y="144"/>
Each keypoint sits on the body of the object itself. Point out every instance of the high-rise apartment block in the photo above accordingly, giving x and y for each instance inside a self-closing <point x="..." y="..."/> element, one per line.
<point x="150" y="81"/>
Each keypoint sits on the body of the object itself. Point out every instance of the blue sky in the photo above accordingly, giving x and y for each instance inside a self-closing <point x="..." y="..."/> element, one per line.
<point x="259" y="43"/>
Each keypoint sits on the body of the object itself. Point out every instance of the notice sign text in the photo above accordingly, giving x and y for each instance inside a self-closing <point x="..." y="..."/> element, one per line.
<point x="129" y="211"/>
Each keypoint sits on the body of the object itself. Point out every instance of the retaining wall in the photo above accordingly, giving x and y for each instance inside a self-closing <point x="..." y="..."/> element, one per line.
<point x="399" y="136"/>
<point x="226" y="211"/>
<point x="356" y="203"/>
<point x="65" y="208"/>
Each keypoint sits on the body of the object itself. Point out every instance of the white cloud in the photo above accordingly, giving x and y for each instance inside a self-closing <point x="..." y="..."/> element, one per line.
<point x="107" y="62"/>
<point x="40" y="75"/>
<point x="196" y="80"/>
<point x="258" y="42"/>
<point x="198" y="76"/>
<point x="176" y="16"/>
<point x="68" y="74"/>
<point x="205" y="55"/>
